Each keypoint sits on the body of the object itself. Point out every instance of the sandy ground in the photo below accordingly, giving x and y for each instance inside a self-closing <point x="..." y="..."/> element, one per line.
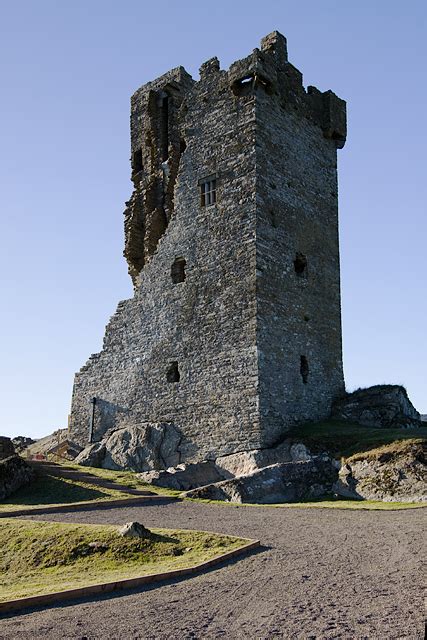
<point x="321" y="574"/>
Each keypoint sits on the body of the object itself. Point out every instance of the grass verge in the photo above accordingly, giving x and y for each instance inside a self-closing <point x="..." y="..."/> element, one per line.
<point x="369" y="505"/>
<point x="48" y="490"/>
<point x="43" y="557"/>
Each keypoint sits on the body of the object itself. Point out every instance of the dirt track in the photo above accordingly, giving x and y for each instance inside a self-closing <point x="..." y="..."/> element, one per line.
<point x="322" y="574"/>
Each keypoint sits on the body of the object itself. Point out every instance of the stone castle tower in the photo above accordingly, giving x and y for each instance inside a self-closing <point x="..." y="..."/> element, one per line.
<point x="231" y="236"/>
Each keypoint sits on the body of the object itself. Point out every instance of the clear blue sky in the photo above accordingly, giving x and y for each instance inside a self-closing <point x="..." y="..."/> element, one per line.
<point x="67" y="72"/>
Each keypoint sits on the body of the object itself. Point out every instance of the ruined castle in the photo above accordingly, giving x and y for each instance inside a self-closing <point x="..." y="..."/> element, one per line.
<point x="233" y="334"/>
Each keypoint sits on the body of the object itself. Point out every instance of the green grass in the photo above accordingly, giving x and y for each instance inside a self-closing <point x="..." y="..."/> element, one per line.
<point x="43" y="557"/>
<point x="49" y="490"/>
<point x="344" y="439"/>
<point x="369" y="505"/>
<point x="125" y="478"/>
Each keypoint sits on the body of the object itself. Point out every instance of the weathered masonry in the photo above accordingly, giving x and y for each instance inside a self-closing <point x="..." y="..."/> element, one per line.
<point x="231" y="237"/>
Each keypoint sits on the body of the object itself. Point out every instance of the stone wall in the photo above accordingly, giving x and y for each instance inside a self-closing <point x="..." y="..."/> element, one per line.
<point x="217" y="350"/>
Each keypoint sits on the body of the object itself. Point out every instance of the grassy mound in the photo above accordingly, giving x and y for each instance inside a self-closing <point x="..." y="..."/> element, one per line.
<point x="414" y="448"/>
<point x="345" y="439"/>
<point x="42" y="557"/>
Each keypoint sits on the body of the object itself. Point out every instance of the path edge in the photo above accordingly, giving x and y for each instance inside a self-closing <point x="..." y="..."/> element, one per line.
<point x="128" y="583"/>
<point x="91" y="506"/>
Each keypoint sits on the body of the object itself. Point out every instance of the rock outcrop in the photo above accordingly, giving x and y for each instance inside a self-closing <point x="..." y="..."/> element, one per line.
<point x="384" y="405"/>
<point x="185" y="476"/>
<point x="393" y="473"/>
<point x="282" y="482"/>
<point x="134" y="530"/>
<point x="14" y="474"/>
<point x="288" y="472"/>
<point x="191" y="476"/>
<point x="21" y="443"/>
<point x="142" y="447"/>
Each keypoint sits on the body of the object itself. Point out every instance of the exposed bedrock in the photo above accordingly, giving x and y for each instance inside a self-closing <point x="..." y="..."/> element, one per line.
<point x="238" y="465"/>
<point x="142" y="447"/>
<point x="385" y="405"/>
<point x="281" y="482"/>
<point x="394" y="473"/>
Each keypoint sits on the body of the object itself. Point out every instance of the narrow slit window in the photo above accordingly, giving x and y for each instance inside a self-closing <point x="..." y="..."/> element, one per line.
<point x="304" y="369"/>
<point x="164" y="128"/>
<point x="137" y="165"/>
<point x="172" y="373"/>
<point x="300" y="265"/>
<point x="208" y="191"/>
<point x="178" y="270"/>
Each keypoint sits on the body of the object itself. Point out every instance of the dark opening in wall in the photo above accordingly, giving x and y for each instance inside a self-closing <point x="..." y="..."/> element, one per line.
<point x="300" y="264"/>
<point x="178" y="270"/>
<point x="304" y="370"/>
<point x="137" y="165"/>
<point x="172" y="373"/>
<point x="208" y="191"/>
<point x="273" y="218"/>
<point x="245" y="86"/>
<point x="164" y="128"/>
<point x="182" y="145"/>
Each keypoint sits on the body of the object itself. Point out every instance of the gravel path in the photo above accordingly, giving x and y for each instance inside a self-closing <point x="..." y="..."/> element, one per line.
<point x="323" y="573"/>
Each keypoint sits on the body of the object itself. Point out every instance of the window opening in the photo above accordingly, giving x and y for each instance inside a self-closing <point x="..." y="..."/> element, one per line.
<point x="304" y="369"/>
<point x="208" y="191"/>
<point x="172" y="373"/>
<point x="300" y="264"/>
<point x="178" y="270"/>
<point x="137" y="165"/>
<point x="164" y="128"/>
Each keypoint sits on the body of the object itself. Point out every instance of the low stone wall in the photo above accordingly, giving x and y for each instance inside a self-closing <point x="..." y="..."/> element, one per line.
<point x="14" y="474"/>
